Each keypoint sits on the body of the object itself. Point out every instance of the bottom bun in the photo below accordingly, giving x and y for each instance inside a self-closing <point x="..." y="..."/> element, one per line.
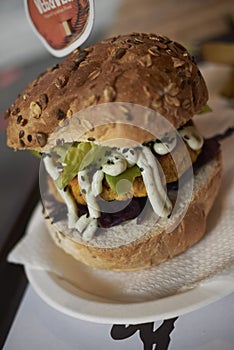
<point x="157" y="245"/>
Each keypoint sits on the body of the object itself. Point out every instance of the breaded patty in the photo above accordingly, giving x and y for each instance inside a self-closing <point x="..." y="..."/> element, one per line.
<point x="170" y="170"/>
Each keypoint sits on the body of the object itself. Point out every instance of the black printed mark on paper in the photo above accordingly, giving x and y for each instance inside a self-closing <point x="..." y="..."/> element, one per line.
<point x="160" y="337"/>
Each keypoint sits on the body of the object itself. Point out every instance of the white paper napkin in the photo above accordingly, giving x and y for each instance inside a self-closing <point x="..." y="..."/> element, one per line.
<point x="213" y="256"/>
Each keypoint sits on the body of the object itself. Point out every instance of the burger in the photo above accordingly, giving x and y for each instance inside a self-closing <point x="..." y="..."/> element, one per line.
<point x="129" y="179"/>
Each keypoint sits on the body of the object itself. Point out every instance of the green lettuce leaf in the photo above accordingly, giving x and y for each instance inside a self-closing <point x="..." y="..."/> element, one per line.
<point x="77" y="156"/>
<point x="205" y="109"/>
<point x="73" y="160"/>
<point x="35" y="153"/>
<point x="130" y="174"/>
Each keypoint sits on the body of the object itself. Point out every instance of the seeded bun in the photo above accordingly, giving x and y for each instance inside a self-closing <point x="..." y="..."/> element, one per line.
<point x="156" y="245"/>
<point x="144" y="69"/>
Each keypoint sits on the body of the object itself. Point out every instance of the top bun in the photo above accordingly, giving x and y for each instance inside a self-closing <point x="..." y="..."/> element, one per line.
<point x="144" y="69"/>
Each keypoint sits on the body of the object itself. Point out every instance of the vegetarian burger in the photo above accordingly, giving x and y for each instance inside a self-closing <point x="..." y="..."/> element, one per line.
<point x="113" y="125"/>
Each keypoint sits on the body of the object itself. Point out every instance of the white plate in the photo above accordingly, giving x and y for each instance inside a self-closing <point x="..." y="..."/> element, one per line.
<point x="92" y="299"/>
<point x="79" y="304"/>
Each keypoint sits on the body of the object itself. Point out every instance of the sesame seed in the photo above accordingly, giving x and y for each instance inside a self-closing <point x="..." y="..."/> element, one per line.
<point x="43" y="100"/>
<point x="19" y="119"/>
<point x="60" y="114"/>
<point x="59" y="142"/>
<point x="16" y="111"/>
<point x="41" y="138"/>
<point x="58" y="83"/>
<point x="24" y="122"/>
<point x="107" y="153"/>
<point x="21" y="134"/>
<point x="119" y="53"/>
<point x="22" y="143"/>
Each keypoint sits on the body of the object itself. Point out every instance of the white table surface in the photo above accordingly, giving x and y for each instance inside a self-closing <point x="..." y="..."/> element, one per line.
<point x="39" y="326"/>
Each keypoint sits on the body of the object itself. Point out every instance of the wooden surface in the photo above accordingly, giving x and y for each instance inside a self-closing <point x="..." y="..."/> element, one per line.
<point x="187" y="21"/>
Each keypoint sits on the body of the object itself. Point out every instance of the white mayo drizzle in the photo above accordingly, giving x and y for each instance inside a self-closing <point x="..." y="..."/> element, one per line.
<point x="166" y="144"/>
<point x="88" y="225"/>
<point x="67" y="197"/>
<point x="192" y="137"/>
<point x="86" y="187"/>
<point x="119" y="166"/>
<point x="189" y="134"/>
<point x="83" y="223"/>
<point x="115" y="162"/>
<point x="145" y="160"/>
<point x="97" y="182"/>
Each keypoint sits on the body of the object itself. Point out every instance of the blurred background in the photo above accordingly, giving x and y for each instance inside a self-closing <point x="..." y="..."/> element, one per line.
<point x="205" y="27"/>
<point x="18" y="43"/>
